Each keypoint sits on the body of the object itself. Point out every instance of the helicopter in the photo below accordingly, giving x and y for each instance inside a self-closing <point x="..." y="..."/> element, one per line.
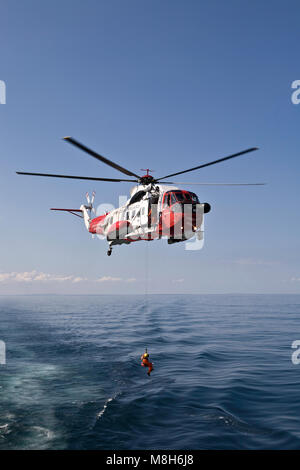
<point x="155" y="209"/>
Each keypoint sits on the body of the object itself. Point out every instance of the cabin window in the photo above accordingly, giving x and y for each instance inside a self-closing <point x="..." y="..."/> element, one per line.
<point x="137" y="197"/>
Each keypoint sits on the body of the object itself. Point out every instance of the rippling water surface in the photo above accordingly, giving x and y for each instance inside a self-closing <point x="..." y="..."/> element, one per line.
<point x="223" y="375"/>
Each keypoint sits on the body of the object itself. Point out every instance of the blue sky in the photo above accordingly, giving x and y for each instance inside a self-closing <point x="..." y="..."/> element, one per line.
<point x="159" y="84"/>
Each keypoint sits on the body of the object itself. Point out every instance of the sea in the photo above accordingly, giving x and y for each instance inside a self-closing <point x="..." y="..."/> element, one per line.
<point x="225" y="373"/>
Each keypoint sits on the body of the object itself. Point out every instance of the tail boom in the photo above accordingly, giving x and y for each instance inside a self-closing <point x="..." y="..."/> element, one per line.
<point x="71" y="211"/>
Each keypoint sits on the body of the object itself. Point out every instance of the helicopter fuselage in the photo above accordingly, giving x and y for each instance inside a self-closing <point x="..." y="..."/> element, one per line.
<point x="152" y="212"/>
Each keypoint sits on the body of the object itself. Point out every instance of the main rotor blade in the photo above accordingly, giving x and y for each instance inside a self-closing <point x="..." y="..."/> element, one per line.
<point x="218" y="184"/>
<point x="100" y="157"/>
<point x="114" y="180"/>
<point x="210" y="163"/>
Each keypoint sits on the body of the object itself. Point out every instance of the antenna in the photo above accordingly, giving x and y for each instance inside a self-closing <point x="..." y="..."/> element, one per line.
<point x="147" y="170"/>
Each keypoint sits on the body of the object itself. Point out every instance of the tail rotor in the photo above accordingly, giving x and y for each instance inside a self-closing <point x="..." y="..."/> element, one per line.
<point x="90" y="201"/>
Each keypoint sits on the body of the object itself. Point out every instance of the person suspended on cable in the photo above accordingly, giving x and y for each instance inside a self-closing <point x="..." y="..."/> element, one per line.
<point x="146" y="362"/>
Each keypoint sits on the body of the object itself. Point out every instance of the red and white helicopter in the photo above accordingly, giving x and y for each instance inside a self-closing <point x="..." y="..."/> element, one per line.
<point x="154" y="210"/>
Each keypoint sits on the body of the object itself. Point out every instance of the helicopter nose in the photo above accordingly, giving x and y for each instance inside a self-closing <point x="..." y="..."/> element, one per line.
<point x="207" y="208"/>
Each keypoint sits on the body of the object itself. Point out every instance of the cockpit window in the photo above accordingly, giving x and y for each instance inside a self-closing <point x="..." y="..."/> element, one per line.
<point x="179" y="196"/>
<point x="185" y="197"/>
<point x="167" y="199"/>
<point x="173" y="199"/>
<point x="194" y="197"/>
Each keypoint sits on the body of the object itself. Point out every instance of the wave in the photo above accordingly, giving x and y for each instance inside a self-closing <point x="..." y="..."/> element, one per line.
<point x="101" y="413"/>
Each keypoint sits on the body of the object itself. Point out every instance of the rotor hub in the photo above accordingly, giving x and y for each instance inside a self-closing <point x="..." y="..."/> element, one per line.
<point x="146" y="179"/>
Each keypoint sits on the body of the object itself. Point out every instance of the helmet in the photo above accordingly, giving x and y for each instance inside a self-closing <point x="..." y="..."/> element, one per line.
<point x="146" y="355"/>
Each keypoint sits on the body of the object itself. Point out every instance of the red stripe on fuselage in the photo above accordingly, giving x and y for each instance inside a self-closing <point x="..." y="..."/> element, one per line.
<point x="96" y="225"/>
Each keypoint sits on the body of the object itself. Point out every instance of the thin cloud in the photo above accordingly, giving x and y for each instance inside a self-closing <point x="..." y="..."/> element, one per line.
<point x="37" y="276"/>
<point x="79" y="279"/>
<point x="109" y="279"/>
<point x="178" y="280"/>
<point x="41" y="277"/>
<point x="52" y="277"/>
<point x="115" y="279"/>
<point x="6" y="276"/>
<point x="253" y="262"/>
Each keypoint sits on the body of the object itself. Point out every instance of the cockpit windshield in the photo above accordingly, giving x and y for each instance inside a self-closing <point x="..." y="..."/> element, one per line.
<point x="185" y="197"/>
<point x="180" y="196"/>
<point x="193" y="197"/>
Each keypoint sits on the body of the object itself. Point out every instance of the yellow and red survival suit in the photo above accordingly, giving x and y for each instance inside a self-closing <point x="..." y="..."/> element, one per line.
<point x="146" y="363"/>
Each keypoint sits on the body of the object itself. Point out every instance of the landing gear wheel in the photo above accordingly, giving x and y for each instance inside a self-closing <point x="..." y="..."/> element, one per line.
<point x="109" y="252"/>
